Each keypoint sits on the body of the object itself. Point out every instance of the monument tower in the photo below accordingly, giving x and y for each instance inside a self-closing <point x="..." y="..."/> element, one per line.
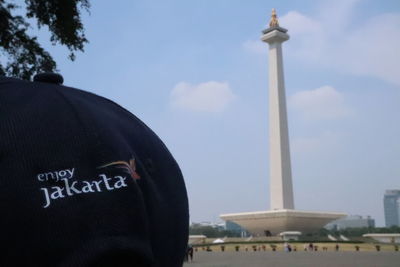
<point x="281" y="189"/>
<point x="282" y="216"/>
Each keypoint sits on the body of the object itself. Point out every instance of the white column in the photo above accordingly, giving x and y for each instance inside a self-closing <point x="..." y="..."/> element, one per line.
<point x="281" y="188"/>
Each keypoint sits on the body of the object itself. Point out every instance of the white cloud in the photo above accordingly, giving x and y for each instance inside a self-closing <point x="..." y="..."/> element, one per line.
<point x="210" y="96"/>
<point x="321" y="103"/>
<point x="334" y="40"/>
<point x="370" y="48"/>
<point x="336" y="16"/>
<point x="300" y="24"/>
<point x="374" y="49"/>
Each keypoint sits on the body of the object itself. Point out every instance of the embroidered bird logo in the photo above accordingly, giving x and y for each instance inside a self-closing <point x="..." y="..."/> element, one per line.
<point x="128" y="166"/>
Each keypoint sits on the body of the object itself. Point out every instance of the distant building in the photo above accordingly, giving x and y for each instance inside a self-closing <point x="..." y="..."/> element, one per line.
<point x="219" y="226"/>
<point x="236" y="228"/>
<point x="351" y="221"/>
<point x="391" y="204"/>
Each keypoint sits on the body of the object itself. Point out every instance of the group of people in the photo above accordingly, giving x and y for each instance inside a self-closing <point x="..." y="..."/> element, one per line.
<point x="287" y="247"/>
<point x="312" y="247"/>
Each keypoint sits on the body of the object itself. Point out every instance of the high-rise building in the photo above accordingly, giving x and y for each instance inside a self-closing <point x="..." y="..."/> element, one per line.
<point x="391" y="205"/>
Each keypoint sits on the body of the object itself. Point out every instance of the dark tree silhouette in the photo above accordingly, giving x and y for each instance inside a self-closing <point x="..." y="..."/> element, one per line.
<point x="20" y="53"/>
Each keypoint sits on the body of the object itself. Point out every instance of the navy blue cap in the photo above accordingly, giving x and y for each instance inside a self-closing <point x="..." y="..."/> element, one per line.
<point x="83" y="182"/>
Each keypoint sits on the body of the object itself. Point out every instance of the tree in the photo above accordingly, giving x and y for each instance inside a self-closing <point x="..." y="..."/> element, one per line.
<point x="359" y="231"/>
<point x="20" y="54"/>
<point x="211" y="231"/>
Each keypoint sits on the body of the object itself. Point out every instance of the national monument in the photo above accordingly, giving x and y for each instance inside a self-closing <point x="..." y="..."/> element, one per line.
<point x="282" y="216"/>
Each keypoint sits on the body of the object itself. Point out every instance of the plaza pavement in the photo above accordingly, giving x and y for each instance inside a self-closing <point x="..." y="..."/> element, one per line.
<point x="295" y="259"/>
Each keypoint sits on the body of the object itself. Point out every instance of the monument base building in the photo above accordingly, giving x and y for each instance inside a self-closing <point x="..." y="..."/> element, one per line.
<point x="274" y="222"/>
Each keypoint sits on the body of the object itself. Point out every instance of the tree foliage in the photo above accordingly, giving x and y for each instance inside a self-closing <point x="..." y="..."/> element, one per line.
<point x="365" y="230"/>
<point x="21" y="55"/>
<point x="210" y="231"/>
<point x="356" y="231"/>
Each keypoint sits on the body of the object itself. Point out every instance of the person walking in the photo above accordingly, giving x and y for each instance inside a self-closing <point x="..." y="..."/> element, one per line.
<point x="190" y="253"/>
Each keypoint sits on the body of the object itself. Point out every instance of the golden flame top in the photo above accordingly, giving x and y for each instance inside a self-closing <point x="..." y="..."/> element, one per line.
<point x="274" y="19"/>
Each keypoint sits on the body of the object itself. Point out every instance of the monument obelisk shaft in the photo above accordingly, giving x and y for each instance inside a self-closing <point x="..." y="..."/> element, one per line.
<point x="282" y="217"/>
<point x="281" y="188"/>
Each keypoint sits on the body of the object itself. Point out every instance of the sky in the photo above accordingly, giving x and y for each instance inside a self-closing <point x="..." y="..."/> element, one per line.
<point x="196" y="73"/>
